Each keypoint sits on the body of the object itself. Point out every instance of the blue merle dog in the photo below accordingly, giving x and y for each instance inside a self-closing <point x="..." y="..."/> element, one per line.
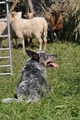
<point x="33" y="84"/>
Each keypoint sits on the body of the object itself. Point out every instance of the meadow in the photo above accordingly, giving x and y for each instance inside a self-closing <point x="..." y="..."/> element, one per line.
<point x="63" y="103"/>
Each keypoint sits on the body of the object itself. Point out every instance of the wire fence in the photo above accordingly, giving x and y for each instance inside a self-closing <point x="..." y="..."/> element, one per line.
<point x="21" y="6"/>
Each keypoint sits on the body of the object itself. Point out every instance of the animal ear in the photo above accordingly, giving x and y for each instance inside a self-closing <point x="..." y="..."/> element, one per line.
<point x="25" y="15"/>
<point x="52" y="12"/>
<point x="61" y="11"/>
<point x="29" y="53"/>
<point x="32" y="54"/>
<point x="36" y="56"/>
<point x="34" y="13"/>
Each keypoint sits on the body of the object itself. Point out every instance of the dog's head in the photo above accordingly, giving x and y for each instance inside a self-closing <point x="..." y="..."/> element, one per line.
<point x="42" y="57"/>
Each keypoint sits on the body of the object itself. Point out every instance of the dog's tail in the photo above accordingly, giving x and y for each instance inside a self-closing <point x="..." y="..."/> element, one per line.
<point x="10" y="100"/>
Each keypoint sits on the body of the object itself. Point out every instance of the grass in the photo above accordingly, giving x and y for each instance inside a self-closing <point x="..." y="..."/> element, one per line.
<point x="63" y="103"/>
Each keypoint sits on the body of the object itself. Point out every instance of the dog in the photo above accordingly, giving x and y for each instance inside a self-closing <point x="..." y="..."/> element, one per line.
<point x="33" y="85"/>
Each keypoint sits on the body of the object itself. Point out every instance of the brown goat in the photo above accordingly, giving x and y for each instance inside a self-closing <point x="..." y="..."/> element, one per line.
<point x="56" y="21"/>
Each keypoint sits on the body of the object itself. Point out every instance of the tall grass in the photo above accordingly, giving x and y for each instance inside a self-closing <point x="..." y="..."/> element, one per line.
<point x="63" y="103"/>
<point x="71" y="19"/>
<point x="75" y="10"/>
<point x="71" y="24"/>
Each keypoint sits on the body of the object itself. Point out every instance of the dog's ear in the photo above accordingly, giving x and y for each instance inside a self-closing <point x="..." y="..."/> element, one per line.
<point x="29" y="53"/>
<point x="36" y="56"/>
<point x="32" y="54"/>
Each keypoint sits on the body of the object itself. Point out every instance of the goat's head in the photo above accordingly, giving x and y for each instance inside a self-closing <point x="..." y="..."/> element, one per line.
<point x="56" y="14"/>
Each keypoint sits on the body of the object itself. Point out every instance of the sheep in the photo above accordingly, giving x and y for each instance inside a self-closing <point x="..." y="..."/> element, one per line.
<point x="12" y="33"/>
<point x="4" y="31"/>
<point x="55" y="22"/>
<point x="30" y="16"/>
<point x="50" y="30"/>
<point x="24" y="28"/>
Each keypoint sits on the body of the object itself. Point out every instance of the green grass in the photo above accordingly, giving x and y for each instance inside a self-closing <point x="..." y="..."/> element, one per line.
<point x="63" y="103"/>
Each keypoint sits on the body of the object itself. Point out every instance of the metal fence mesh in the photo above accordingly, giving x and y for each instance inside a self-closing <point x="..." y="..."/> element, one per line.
<point x="21" y="6"/>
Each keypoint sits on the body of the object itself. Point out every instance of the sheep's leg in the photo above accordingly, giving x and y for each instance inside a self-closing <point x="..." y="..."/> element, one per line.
<point x="23" y="43"/>
<point x="12" y="42"/>
<point x="45" y="43"/>
<point x="0" y="43"/>
<point x="16" y="42"/>
<point x="26" y="42"/>
<point x="55" y="34"/>
<point x="40" y="46"/>
<point x="30" y="40"/>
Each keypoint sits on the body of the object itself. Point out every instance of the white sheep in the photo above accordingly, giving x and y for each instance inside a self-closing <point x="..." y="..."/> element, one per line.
<point x="36" y="27"/>
<point x="4" y="30"/>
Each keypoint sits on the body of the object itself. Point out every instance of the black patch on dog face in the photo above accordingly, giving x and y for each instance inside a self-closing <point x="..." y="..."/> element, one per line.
<point x="34" y="55"/>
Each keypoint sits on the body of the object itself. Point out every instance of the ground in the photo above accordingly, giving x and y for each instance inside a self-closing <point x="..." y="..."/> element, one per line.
<point x="63" y="103"/>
